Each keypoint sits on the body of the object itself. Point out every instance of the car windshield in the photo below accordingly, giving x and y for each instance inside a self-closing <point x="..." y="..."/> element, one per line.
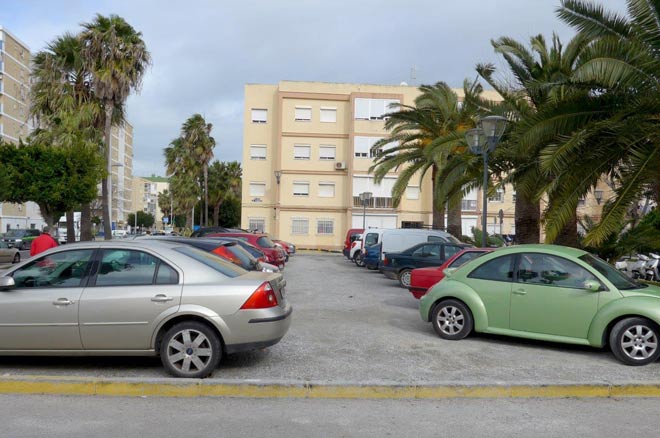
<point x="214" y="262"/>
<point x="15" y="233"/>
<point x="618" y="279"/>
<point x="265" y="242"/>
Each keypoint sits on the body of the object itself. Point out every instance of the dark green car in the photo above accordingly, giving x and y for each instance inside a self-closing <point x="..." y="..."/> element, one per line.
<point x="21" y="239"/>
<point x="549" y="293"/>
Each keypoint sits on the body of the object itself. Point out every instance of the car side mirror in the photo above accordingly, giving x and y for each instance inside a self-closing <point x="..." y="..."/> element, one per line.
<point x="592" y="285"/>
<point x="7" y="283"/>
<point x="449" y="272"/>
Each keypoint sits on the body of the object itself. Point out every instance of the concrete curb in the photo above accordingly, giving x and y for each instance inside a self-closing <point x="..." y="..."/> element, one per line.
<point x="246" y="389"/>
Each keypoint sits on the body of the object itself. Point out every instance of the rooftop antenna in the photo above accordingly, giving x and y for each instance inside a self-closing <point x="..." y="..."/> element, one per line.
<point x="413" y="74"/>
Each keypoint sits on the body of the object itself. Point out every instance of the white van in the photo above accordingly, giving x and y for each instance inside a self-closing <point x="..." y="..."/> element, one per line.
<point x="403" y="238"/>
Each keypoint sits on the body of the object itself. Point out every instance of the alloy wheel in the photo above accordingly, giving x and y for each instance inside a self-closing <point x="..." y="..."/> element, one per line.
<point x="451" y="320"/>
<point x="189" y="351"/>
<point x="639" y="342"/>
<point x="404" y="278"/>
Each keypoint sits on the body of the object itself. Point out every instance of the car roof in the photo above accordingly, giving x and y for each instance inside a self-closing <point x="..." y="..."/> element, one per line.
<point x="546" y="248"/>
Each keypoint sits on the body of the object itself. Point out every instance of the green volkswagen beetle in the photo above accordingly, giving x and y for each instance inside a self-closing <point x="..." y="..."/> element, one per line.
<point x="549" y="293"/>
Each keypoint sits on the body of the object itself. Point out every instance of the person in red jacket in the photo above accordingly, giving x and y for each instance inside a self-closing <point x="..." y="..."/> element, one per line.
<point x="43" y="242"/>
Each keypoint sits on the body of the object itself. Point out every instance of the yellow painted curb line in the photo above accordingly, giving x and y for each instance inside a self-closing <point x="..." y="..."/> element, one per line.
<point x="203" y="388"/>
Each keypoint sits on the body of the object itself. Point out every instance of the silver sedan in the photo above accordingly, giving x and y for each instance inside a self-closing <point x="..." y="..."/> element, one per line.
<point x="9" y="255"/>
<point x="140" y="298"/>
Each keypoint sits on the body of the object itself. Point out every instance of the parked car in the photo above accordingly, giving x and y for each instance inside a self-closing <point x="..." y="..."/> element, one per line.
<point x="551" y="293"/>
<point x="21" y="239"/>
<point x="351" y="235"/>
<point x="355" y="252"/>
<point x="288" y="247"/>
<point x="227" y="249"/>
<point x="399" y="265"/>
<point x="371" y="256"/>
<point x="140" y="297"/>
<point x="421" y="279"/>
<point x="205" y="231"/>
<point x="9" y="255"/>
<point x="274" y="254"/>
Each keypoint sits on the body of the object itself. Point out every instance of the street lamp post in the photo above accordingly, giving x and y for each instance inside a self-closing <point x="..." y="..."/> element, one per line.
<point x="482" y="140"/>
<point x="365" y="197"/>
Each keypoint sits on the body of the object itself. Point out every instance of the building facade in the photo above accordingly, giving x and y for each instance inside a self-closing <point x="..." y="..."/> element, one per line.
<point x="15" y="62"/>
<point x="145" y="197"/>
<point x="122" y="174"/>
<point x="306" y="159"/>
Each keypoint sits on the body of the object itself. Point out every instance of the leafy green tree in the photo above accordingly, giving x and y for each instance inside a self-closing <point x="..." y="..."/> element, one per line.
<point x="145" y="220"/>
<point x="224" y="187"/>
<point x="117" y="57"/>
<point x="230" y="214"/>
<point x="57" y="179"/>
<point x="183" y="171"/>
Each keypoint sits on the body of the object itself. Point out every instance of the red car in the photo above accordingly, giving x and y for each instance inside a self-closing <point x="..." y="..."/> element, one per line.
<point x="275" y="255"/>
<point x="351" y="236"/>
<point x="422" y="279"/>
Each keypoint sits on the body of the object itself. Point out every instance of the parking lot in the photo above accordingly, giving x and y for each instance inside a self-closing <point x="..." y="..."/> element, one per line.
<point x="351" y="325"/>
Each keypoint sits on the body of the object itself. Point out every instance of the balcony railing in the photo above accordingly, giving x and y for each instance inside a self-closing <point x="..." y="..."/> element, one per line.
<point x="375" y="202"/>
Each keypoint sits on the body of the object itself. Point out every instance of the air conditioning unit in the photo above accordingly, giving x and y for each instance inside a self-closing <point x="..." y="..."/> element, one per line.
<point x="340" y="165"/>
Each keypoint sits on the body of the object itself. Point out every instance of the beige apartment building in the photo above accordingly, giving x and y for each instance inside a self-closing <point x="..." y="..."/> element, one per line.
<point x="306" y="155"/>
<point x="145" y="196"/>
<point x="122" y="175"/>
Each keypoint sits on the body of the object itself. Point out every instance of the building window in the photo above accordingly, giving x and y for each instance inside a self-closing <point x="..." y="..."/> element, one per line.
<point x="412" y="224"/>
<point x="257" y="152"/>
<point x="327" y="152"/>
<point x="300" y="189"/>
<point x="412" y="192"/>
<point x="374" y="109"/>
<point x="326" y="190"/>
<point x="303" y="113"/>
<point x="497" y="196"/>
<point x="469" y="205"/>
<point x="582" y="201"/>
<point x="302" y="151"/>
<point x="257" y="224"/>
<point x="328" y="115"/>
<point x="299" y="225"/>
<point x="257" y="189"/>
<point x="513" y="197"/>
<point x="259" y="115"/>
<point x="362" y="146"/>
<point x="325" y="226"/>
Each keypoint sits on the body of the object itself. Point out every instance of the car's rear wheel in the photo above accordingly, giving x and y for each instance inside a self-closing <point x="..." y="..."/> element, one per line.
<point x="452" y="320"/>
<point x="634" y="341"/>
<point x="190" y="349"/>
<point x="404" y="277"/>
<point x="17" y="258"/>
<point x="358" y="258"/>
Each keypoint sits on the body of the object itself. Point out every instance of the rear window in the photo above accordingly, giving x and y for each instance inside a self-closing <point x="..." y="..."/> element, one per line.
<point x="212" y="261"/>
<point x="265" y="242"/>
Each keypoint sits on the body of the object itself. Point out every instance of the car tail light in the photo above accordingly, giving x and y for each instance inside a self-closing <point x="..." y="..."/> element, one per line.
<point x="262" y="298"/>
<point x="386" y="261"/>
<point x="354" y="244"/>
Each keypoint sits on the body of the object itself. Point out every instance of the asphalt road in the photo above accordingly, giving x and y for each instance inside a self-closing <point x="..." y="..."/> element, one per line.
<point x="355" y="326"/>
<point x="110" y="417"/>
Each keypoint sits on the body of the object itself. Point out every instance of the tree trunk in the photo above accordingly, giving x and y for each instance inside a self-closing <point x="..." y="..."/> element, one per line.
<point x="86" y="222"/>
<point x="216" y="214"/>
<point x="70" y="227"/>
<point x="206" y="195"/>
<point x="528" y="219"/>
<point x="454" y="216"/>
<point x="568" y="235"/>
<point x="106" y="186"/>
<point x="438" y="204"/>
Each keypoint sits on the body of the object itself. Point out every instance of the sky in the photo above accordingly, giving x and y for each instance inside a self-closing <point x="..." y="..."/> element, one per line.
<point x="204" y="51"/>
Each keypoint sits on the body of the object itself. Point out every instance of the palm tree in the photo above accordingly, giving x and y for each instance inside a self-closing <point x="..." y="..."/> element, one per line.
<point x="196" y="135"/>
<point x="224" y="184"/>
<point x="183" y="171"/>
<point x="538" y="81"/>
<point x="426" y="135"/>
<point x="116" y="56"/>
<point x="609" y="126"/>
<point x="64" y="102"/>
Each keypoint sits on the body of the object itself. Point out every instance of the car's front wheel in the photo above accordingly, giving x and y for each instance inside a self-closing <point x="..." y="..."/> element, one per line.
<point x="358" y="258"/>
<point x="634" y="341"/>
<point x="17" y="258"/>
<point x="404" y="277"/>
<point x="190" y="349"/>
<point x="452" y="320"/>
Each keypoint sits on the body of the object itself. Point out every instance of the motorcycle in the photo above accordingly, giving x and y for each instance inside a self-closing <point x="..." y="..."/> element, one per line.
<point x="652" y="273"/>
<point x="633" y="266"/>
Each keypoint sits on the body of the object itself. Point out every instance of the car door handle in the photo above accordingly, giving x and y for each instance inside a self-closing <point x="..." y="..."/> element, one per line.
<point x="520" y="292"/>
<point x="63" y="302"/>
<point x="160" y="298"/>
